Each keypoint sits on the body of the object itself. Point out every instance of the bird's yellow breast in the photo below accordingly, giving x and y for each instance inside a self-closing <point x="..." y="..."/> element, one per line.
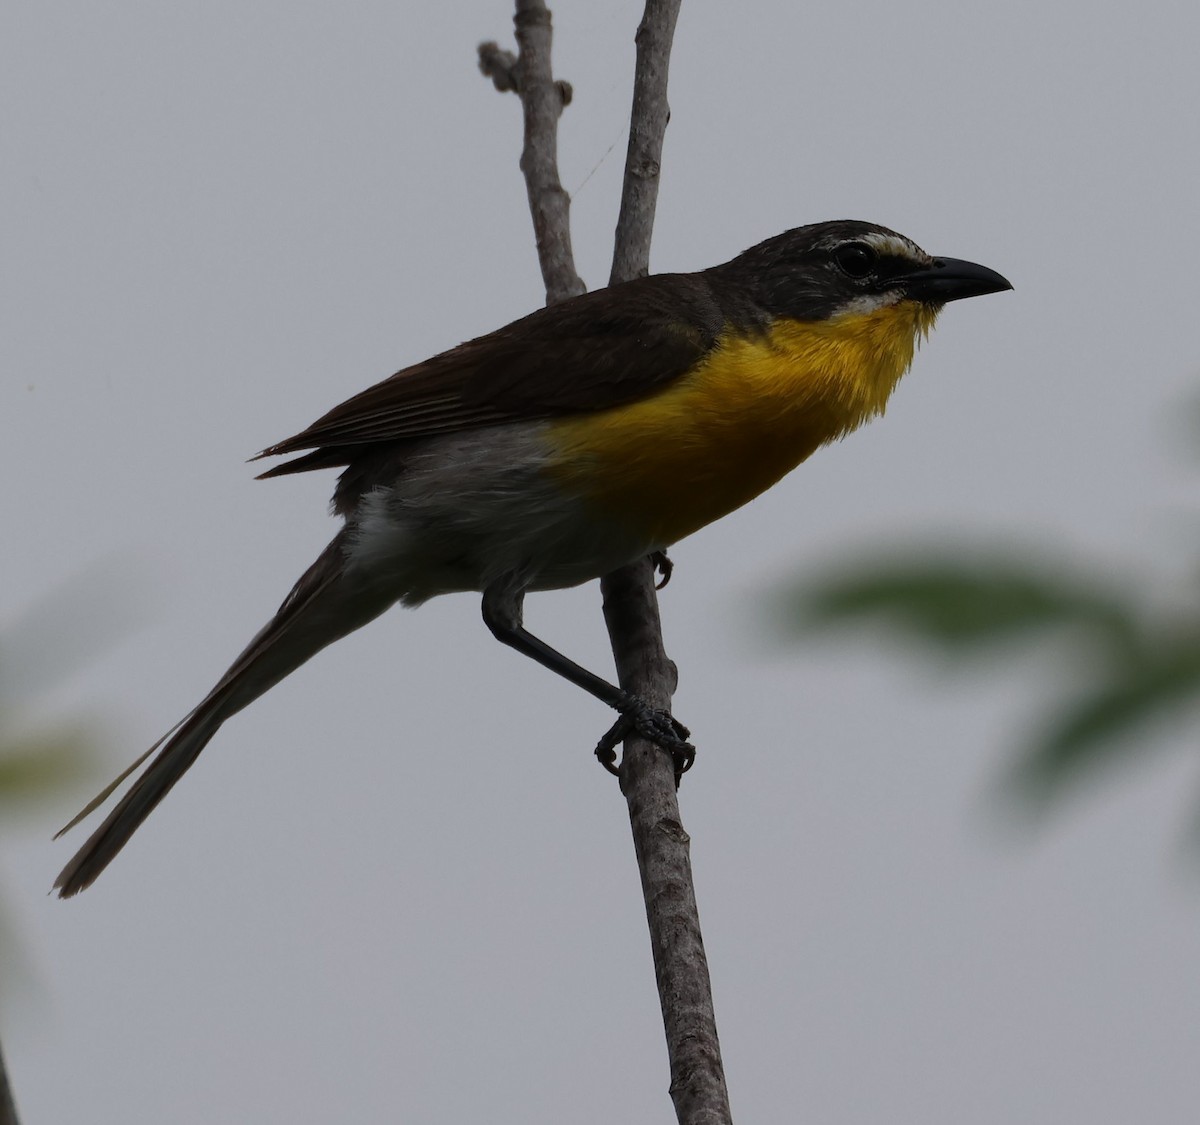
<point x="751" y="411"/>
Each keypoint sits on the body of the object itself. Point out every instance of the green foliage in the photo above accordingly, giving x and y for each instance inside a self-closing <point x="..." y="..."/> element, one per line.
<point x="1130" y="669"/>
<point x="40" y="765"/>
<point x="961" y="607"/>
<point x="44" y="757"/>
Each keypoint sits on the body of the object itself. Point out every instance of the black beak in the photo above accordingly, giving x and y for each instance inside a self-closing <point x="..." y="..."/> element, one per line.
<point x="951" y="279"/>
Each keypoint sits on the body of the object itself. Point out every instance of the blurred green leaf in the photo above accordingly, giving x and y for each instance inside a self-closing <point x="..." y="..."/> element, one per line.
<point x="1131" y="667"/>
<point x="43" y="754"/>
<point x="51" y="640"/>
<point x="1101" y="726"/>
<point x="37" y="766"/>
<point x="961" y="606"/>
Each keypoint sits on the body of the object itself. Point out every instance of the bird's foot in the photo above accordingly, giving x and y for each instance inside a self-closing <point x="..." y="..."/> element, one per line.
<point x="653" y="724"/>
<point x="663" y="566"/>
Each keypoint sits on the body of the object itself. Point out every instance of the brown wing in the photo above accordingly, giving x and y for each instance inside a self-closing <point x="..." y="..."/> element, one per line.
<point x="592" y="352"/>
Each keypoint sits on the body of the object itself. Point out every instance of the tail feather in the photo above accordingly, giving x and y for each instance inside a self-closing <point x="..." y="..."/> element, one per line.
<point x="321" y="608"/>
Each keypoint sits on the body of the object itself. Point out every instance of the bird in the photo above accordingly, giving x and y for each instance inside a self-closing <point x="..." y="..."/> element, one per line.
<point x="571" y="442"/>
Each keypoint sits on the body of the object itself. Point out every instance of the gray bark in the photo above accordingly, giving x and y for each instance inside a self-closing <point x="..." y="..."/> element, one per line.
<point x="542" y="101"/>
<point x="635" y="632"/>
<point x="630" y="603"/>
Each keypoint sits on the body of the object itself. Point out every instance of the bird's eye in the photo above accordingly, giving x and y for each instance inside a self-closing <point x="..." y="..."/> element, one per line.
<point x="855" y="258"/>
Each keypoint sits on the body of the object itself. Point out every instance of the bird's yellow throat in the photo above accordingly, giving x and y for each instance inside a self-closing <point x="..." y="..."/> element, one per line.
<point x="752" y="411"/>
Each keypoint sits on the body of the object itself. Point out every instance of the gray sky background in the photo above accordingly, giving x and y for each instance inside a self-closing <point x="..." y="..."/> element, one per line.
<point x="398" y="888"/>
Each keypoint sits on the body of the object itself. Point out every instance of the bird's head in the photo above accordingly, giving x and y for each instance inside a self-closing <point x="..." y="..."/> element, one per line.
<point x="847" y="267"/>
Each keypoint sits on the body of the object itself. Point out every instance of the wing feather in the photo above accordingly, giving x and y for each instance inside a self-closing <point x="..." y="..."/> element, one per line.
<point x="587" y="354"/>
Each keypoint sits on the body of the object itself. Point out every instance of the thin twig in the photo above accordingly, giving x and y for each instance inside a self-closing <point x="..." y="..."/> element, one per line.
<point x="647" y="126"/>
<point x="542" y="100"/>
<point x="630" y="603"/>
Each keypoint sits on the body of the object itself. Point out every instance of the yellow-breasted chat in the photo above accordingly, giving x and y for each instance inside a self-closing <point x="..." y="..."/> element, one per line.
<point x="574" y="441"/>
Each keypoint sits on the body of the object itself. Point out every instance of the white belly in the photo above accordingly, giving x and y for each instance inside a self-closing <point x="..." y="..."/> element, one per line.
<point x="474" y="507"/>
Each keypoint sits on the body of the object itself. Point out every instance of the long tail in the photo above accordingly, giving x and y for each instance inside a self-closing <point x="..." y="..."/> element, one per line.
<point x="323" y="606"/>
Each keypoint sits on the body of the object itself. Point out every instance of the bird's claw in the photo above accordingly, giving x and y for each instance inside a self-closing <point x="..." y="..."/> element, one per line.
<point x="653" y="724"/>
<point x="663" y="566"/>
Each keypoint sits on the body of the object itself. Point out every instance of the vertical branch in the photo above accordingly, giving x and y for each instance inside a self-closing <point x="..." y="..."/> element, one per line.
<point x="647" y="125"/>
<point x="528" y="74"/>
<point x="630" y="603"/>
<point x="635" y="632"/>
<point x="662" y="847"/>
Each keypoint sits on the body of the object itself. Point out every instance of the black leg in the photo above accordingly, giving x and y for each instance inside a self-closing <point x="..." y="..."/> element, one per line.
<point x="502" y="606"/>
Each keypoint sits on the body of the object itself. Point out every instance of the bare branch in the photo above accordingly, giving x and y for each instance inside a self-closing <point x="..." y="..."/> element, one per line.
<point x="635" y="632"/>
<point x="542" y="101"/>
<point x="648" y="124"/>
<point x="662" y="846"/>
<point x="630" y="603"/>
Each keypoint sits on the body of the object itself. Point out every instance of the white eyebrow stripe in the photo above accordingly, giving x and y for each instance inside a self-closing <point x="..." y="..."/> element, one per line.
<point x="895" y="246"/>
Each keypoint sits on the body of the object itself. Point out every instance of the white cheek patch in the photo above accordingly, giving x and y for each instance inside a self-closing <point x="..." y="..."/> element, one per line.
<point x="870" y="302"/>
